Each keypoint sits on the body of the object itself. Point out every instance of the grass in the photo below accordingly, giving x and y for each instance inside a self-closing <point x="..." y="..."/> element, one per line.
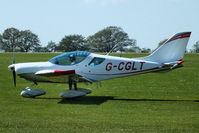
<point x="150" y="103"/>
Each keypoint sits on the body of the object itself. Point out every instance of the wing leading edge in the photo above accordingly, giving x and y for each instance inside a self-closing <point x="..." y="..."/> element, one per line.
<point x="50" y="74"/>
<point x="54" y="72"/>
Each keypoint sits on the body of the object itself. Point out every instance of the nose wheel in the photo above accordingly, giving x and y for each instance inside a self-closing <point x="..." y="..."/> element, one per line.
<point x="29" y="92"/>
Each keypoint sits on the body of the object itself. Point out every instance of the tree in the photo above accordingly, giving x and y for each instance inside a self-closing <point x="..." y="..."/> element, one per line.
<point x="72" y="43"/>
<point x="51" y="47"/>
<point x="133" y="49"/>
<point x="160" y="44"/>
<point x="41" y="49"/>
<point x="28" y="41"/>
<point x="1" y="42"/>
<point x="110" y="38"/>
<point x="145" y="50"/>
<point x="14" y="40"/>
<point x="9" y="40"/>
<point x="196" y="47"/>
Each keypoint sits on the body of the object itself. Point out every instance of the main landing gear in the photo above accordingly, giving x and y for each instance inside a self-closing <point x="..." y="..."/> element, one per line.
<point x="74" y="92"/>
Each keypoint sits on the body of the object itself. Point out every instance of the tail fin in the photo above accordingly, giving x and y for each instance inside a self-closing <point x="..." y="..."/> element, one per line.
<point x="172" y="50"/>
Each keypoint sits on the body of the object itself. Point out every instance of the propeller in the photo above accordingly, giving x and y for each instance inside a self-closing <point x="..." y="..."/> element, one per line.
<point x="14" y="77"/>
<point x="12" y="67"/>
<point x="13" y="71"/>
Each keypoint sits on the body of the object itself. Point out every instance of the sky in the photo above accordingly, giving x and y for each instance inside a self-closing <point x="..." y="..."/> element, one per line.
<point x="147" y="21"/>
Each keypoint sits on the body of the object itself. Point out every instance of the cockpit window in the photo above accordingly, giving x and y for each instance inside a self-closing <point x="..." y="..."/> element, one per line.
<point x="70" y="58"/>
<point x="96" y="61"/>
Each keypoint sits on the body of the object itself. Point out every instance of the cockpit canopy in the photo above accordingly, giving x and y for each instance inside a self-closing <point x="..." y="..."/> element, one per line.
<point x="70" y="58"/>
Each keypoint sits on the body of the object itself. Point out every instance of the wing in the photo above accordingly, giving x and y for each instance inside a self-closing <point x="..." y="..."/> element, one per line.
<point x="47" y="73"/>
<point x="58" y="76"/>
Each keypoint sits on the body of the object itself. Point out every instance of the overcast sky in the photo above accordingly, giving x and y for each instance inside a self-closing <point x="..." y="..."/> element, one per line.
<point x="147" y="21"/>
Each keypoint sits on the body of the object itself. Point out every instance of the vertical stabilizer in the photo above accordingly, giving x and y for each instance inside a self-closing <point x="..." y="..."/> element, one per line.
<point x="172" y="50"/>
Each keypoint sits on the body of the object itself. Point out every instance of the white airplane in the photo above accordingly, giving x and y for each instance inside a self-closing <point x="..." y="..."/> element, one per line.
<point x="81" y="66"/>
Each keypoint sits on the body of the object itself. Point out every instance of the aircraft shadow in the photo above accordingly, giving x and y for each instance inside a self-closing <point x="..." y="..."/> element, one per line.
<point x="97" y="100"/>
<point x="88" y="100"/>
<point x="158" y="100"/>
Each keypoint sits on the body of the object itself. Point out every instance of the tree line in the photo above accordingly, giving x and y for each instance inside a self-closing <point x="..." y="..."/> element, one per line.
<point x="23" y="41"/>
<point x="109" y="39"/>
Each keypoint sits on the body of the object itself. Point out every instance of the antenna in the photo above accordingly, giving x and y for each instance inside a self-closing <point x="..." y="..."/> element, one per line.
<point x="112" y="49"/>
<point x="13" y="55"/>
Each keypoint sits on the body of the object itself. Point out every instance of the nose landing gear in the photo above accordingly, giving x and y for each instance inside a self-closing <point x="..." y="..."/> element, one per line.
<point x="29" y="92"/>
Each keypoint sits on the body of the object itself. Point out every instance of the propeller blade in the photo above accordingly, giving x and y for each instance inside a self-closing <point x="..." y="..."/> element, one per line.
<point x="14" y="77"/>
<point x="12" y="67"/>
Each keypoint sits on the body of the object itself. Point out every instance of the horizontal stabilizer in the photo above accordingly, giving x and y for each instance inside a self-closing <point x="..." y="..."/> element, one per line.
<point x="172" y="65"/>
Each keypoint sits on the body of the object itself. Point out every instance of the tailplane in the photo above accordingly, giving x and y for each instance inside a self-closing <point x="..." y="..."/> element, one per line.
<point x="172" y="50"/>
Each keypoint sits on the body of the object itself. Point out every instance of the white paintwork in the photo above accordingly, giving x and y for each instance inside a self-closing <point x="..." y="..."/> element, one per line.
<point x="170" y="51"/>
<point x="32" y="67"/>
<point x="164" y="58"/>
<point x="44" y="71"/>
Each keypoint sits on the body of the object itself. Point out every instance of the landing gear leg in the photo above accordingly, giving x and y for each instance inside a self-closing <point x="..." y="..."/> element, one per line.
<point x="31" y="86"/>
<point x="74" y="92"/>
<point x="70" y="83"/>
<point x="75" y="85"/>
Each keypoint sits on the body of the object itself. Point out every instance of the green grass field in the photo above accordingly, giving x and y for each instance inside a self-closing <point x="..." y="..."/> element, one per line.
<point x="150" y="103"/>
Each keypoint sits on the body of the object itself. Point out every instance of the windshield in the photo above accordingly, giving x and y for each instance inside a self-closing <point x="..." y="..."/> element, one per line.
<point x="96" y="61"/>
<point x="70" y="58"/>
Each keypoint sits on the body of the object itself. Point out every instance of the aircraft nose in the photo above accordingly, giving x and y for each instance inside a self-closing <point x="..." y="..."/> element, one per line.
<point x="11" y="67"/>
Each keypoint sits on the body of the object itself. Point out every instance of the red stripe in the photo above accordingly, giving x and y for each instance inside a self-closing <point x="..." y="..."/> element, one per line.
<point x="184" y="35"/>
<point x="146" y="70"/>
<point x="137" y="71"/>
<point x="180" y="61"/>
<point x="58" y="72"/>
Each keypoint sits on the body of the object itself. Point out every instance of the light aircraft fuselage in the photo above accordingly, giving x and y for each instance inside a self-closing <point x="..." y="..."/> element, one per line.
<point x="82" y="66"/>
<point x="93" y="67"/>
